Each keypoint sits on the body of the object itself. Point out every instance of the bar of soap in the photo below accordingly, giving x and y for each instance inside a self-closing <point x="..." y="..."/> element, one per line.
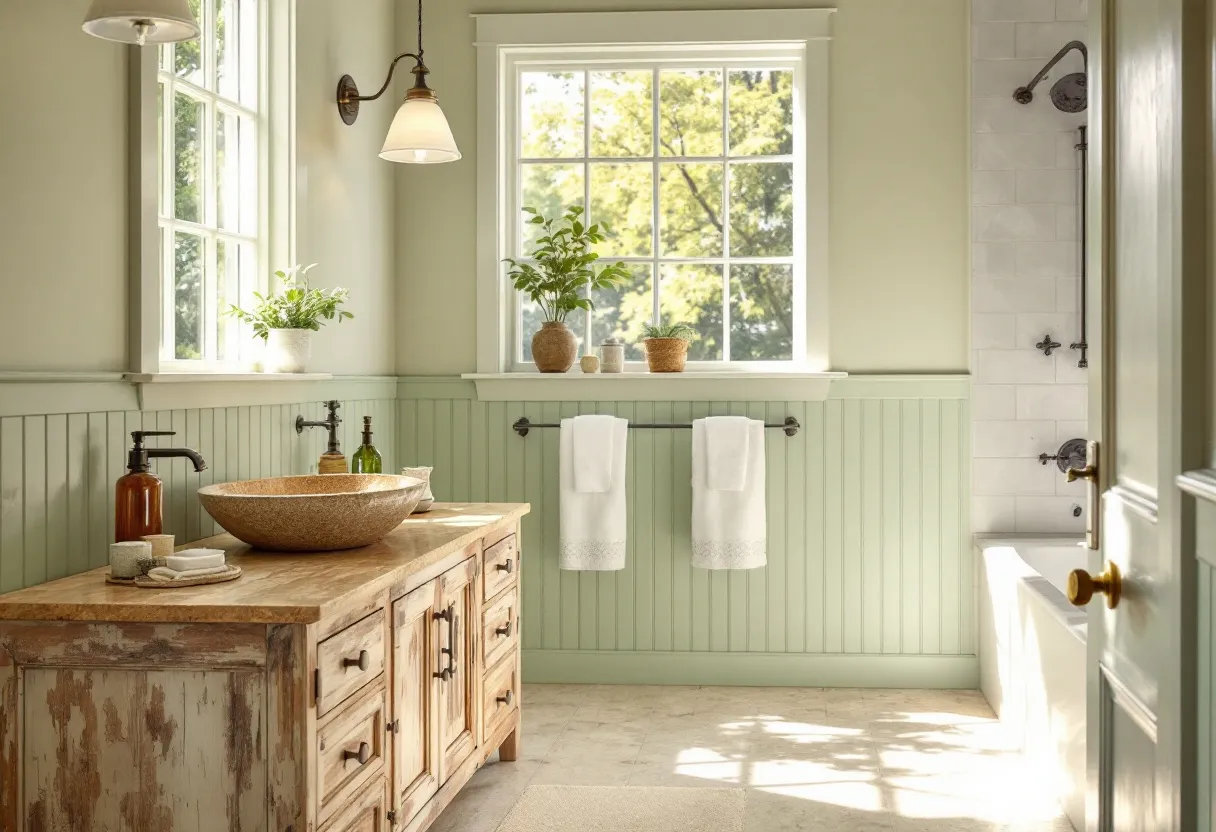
<point x="188" y="560"/>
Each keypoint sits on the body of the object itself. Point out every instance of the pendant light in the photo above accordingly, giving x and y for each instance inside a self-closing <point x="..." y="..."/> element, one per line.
<point x="419" y="134"/>
<point x="141" y="21"/>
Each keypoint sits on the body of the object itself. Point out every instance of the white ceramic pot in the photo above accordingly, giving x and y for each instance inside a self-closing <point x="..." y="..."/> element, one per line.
<point x="288" y="351"/>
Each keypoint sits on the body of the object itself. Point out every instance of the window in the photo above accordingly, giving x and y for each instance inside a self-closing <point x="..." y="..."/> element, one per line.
<point x="705" y="157"/>
<point x="211" y="196"/>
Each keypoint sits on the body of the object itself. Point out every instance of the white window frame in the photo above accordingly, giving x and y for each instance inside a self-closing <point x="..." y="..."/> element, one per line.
<point x="511" y="43"/>
<point x="276" y="187"/>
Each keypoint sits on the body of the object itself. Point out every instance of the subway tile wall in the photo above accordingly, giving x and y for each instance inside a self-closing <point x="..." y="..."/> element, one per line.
<point x="1026" y="257"/>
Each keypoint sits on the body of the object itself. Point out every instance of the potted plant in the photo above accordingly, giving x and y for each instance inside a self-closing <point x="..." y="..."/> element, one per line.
<point x="286" y="320"/>
<point x="560" y="280"/>
<point x="667" y="346"/>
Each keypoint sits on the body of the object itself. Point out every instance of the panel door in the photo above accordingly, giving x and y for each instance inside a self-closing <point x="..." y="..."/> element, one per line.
<point x="1142" y="376"/>
<point x="416" y="665"/>
<point x="456" y="625"/>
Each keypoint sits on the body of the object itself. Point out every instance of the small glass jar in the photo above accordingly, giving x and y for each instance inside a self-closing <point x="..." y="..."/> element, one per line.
<point x="612" y="356"/>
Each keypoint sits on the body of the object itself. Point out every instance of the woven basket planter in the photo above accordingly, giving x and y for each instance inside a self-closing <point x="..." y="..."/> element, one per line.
<point x="666" y="355"/>
<point x="554" y="348"/>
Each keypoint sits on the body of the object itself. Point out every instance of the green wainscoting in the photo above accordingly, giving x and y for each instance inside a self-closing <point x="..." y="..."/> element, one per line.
<point x="870" y="574"/>
<point x="57" y="473"/>
<point x="1206" y="701"/>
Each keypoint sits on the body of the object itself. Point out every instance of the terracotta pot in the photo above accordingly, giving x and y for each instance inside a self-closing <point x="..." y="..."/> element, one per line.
<point x="666" y="355"/>
<point x="554" y="348"/>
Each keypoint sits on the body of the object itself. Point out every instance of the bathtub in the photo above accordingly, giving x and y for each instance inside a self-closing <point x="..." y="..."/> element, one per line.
<point x="1032" y="656"/>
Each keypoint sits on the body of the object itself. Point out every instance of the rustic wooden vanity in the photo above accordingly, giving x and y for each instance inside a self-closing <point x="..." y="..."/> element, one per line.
<point x="326" y="692"/>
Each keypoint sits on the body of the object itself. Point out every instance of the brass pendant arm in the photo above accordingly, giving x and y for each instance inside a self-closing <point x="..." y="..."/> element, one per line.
<point x="391" y="69"/>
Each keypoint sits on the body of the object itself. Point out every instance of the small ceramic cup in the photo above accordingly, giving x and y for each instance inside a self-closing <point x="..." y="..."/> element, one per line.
<point x="590" y="364"/>
<point x="127" y="558"/>
<point x="422" y="473"/>
<point x="162" y="544"/>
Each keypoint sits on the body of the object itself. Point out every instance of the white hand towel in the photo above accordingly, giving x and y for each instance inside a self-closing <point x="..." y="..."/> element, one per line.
<point x="593" y="532"/>
<point x="728" y="527"/>
<point x="726" y="452"/>
<point x="593" y="453"/>
<point x="168" y="576"/>
<point x="195" y="559"/>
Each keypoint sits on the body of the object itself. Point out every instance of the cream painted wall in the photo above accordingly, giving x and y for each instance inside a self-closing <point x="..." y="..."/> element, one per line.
<point x="63" y="173"/>
<point x="899" y="180"/>
<point x="345" y="192"/>
<point x="63" y="178"/>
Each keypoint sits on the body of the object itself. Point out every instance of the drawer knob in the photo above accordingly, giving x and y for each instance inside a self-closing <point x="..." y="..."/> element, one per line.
<point x="504" y="630"/>
<point x="506" y="699"/>
<point x="362" y="755"/>
<point x="507" y="566"/>
<point x="363" y="662"/>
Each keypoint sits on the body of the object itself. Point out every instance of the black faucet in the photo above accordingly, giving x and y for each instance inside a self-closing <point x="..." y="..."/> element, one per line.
<point x="330" y="422"/>
<point x="137" y="458"/>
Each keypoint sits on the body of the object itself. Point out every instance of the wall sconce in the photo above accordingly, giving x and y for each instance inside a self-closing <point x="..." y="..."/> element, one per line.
<point x="419" y="134"/>
<point x="141" y="21"/>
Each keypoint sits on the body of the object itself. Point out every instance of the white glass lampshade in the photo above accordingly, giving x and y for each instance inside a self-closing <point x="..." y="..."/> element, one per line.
<point x="420" y="135"/>
<point x="141" y="21"/>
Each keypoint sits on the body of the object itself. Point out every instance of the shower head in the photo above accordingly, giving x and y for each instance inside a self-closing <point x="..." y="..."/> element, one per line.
<point x="1069" y="94"/>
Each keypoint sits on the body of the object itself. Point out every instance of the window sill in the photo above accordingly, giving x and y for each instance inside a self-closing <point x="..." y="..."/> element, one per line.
<point x="186" y="390"/>
<point x="681" y="387"/>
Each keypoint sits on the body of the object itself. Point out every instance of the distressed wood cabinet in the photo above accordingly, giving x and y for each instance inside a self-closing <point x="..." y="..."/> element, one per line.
<point x="322" y="692"/>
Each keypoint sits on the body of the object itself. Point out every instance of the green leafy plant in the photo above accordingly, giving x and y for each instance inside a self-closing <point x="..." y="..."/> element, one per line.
<point x="296" y="307"/>
<point x="564" y="272"/>
<point x="682" y="331"/>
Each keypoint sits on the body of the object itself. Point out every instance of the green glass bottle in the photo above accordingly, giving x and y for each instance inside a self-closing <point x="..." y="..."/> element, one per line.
<point x="367" y="459"/>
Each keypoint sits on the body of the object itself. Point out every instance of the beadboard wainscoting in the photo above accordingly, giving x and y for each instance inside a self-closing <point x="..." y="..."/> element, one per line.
<point x="869" y="581"/>
<point x="57" y="472"/>
<point x="1206" y="685"/>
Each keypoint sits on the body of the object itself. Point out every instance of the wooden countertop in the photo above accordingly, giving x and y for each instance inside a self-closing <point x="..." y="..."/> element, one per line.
<point x="275" y="588"/>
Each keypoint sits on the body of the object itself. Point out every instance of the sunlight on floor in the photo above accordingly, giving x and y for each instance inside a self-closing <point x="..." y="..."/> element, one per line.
<point x="814" y="759"/>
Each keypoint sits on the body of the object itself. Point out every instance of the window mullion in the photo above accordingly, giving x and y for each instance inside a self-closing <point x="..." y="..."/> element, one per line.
<point x="725" y="215"/>
<point x="587" y="193"/>
<point x="654" y="183"/>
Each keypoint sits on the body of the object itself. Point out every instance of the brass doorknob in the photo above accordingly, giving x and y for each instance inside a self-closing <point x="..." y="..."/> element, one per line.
<point x="1082" y="586"/>
<point x="1089" y="472"/>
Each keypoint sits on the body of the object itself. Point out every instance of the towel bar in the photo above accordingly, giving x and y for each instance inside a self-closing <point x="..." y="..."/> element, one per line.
<point x="522" y="426"/>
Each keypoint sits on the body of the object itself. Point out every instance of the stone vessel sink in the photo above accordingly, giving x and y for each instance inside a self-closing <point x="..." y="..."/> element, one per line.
<point x="312" y="513"/>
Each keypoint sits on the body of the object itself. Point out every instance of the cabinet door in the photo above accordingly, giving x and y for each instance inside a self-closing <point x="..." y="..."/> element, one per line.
<point x="457" y="632"/>
<point x="416" y="663"/>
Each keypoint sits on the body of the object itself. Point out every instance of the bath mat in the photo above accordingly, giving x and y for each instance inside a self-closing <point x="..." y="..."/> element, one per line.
<point x="625" y="809"/>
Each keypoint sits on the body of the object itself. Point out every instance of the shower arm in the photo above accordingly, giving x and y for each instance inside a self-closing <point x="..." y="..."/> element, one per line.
<point x="1024" y="95"/>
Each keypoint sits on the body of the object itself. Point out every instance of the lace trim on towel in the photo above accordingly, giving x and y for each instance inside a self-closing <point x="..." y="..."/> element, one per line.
<point x="729" y="554"/>
<point x="592" y="555"/>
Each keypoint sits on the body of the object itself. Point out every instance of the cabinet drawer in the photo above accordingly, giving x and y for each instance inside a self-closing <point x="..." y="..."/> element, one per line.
<point x="348" y="660"/>
<point x="350" y="750"/>
<point x="500" y="628"/>
<point x="366" y="812"/>
<point x="501" y="566"/>
<point x="501" y="694"/>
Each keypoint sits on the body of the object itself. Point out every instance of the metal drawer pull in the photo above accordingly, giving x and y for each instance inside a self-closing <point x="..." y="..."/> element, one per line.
<point x="362" y="755"/>
<point x="506" y="566"/>
<point x="449" y="615"/>
<point x="363" y="662"/>
<point x="507" y="698"/>
<point x="504" y="630"/>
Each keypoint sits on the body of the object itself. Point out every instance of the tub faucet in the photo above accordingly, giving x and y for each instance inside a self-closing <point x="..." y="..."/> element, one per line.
<point x="1072" y="454"/>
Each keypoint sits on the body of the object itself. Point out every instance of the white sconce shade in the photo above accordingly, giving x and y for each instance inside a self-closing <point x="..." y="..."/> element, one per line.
<point x="420" y="135"/>
<point x="141" y="21"/>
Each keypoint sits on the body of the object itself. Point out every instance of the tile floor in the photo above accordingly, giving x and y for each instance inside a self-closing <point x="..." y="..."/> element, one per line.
<point x="810" y="758"/>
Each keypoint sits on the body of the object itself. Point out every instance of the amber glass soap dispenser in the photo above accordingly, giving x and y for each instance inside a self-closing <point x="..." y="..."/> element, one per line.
<point x="137" y="494"/>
